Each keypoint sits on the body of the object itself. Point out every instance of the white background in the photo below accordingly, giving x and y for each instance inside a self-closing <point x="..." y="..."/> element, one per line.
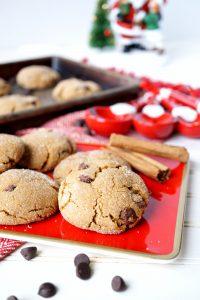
<point x="29" y="28"/>
<point x="68" y="22"/>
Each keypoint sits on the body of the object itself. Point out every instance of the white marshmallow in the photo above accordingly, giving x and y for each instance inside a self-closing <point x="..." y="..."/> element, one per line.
<point x="153" y="110"/>
<point x="186" y="113"/>
<point x="122" y="109"/>
<point x="163" y="94"/>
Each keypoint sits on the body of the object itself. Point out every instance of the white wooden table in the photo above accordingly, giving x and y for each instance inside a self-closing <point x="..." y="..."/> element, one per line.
<point x="176" y="280"/>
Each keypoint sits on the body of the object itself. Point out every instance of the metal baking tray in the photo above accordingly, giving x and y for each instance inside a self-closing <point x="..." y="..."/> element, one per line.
<point x="115" y="88"/>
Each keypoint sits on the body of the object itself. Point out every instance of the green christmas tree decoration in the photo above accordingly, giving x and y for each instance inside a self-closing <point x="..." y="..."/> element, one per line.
<point x="101" y="34"/>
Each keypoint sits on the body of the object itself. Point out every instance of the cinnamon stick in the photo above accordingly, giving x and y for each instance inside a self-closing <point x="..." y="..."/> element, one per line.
<point x="141" y="146"/>
<point x="144" y="164"/>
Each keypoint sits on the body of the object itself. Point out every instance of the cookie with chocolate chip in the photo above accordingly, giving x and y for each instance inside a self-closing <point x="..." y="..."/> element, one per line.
<point x="11" y="151"/>
<point x="37" y="77"/>
<point x="73" y="88"/>
<point x="84" y="160"/>
<point x="45" y="148"/>
<point x="15" y="103"/>
<point x="26" y="196"/>
<point x="106" y="197"/>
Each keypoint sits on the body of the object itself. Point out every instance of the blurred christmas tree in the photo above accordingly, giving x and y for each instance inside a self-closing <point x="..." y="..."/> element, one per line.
<point x="101" y="34"/>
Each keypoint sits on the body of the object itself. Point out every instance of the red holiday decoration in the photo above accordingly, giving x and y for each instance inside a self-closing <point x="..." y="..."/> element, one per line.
<point x="107" y="32"/>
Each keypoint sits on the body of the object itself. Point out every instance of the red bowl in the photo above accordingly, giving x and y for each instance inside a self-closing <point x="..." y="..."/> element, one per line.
<point x="158" y="128"/>
<point x="104" y="122"/>
<point x="189" y="129"/>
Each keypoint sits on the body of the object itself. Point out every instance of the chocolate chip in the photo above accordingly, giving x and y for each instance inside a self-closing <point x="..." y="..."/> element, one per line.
<point x="83" y="270"/>
<point x="47" y="290"/>
<point x="83" y="166"/>
<point x="81" y="258"/>
<point x="10" y="188"/>
<point x="141" y="204"/>
<point x="79" y="123"/>
<point x="86" y="88"/>
<point x="118" y="284"/>
<point x="12" y="298"/>
<point x="128" y="215"/>
<point x="85" y="178"/>
<point x="29" y="252"/>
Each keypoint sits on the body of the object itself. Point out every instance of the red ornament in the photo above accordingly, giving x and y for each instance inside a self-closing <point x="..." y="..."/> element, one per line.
<point x="107" y="32"/>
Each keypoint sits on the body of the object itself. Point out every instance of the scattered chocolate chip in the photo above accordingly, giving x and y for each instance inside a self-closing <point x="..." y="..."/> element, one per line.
<point x="81" y="258"/>
<point x="10" y="188"/>
<point x="29" y="252"/>
<point x="128" y="215"/>
<point x="83" y="166"/>
<point x="118" y="284"/>
<point x="83" y="270"/>
<point x="85" y="178"/>
<point x="79" y="123"/>
<point x="47" y="290"/>
<point x="12" y="298"/>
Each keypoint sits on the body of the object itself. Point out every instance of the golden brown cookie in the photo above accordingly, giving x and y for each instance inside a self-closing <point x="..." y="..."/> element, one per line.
<point x="104" y="198"/>
<point x="73" y="88"/>
<point x="45" y="148"/>
<point x="15" y="103"/>
<point x="85" y="160"/>
<point x="4" y="87"/>
<point x="37" y="77"/>
<point x="11" y="151"/>
<point x="26" y="196"/>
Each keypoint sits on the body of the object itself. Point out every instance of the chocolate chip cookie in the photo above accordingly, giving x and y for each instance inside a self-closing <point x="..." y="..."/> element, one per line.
<point x="85" y="160"/>
<point x="106" y="198"/>
<point x="26" y="196"/>
<point x="37" y="77"/>
<point x="45" y="148"/>
<point x="70" y="89"/>
<point x="11" y="151"/>
<point x="15" y="103"/>
<point x="4" y="87"/>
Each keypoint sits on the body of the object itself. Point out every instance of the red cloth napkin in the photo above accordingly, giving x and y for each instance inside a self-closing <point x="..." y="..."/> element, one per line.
<point x="7" y="246"/>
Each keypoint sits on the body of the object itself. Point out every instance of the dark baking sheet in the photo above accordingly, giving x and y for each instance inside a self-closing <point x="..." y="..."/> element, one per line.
<point x="115" y="88"/>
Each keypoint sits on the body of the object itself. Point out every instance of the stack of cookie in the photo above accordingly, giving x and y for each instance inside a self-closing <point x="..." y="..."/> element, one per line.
<point x="98" y="190"/>
<point x="27" y="195"/>
<point x="36" y="78"/>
